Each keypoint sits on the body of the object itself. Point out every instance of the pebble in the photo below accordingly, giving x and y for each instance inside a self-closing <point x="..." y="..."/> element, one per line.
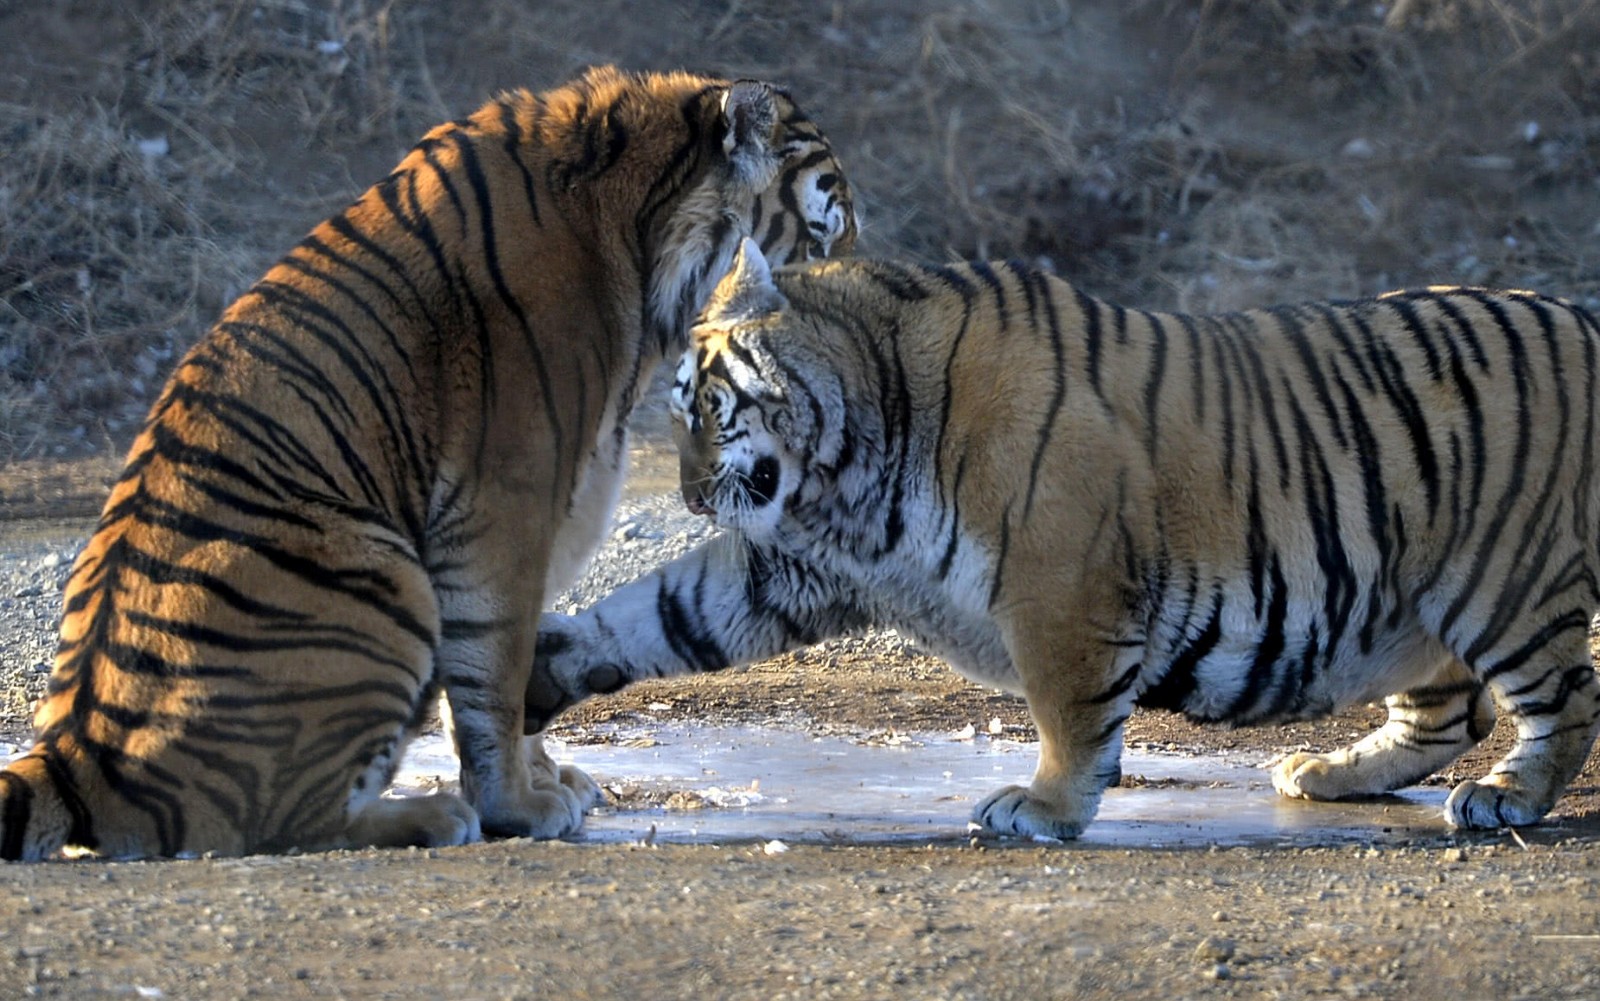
<point x="1214" y="949"/>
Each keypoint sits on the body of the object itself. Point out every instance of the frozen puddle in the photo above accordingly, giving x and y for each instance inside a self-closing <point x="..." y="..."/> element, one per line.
<point x="759" y="784"/>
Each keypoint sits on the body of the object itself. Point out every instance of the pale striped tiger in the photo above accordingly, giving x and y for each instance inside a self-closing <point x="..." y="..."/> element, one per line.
<point x="1247" y="517"/>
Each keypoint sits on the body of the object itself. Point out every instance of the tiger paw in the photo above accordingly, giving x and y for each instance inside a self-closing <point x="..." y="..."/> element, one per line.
<point x="569" y="665"/>
<point x="543" y="811"/>
<point x="547" y="800"/>
<point x="582" y="786"/>
<point x="434" y="821"/>
<point x="1303" y="775"/>
<point x="1487" y="805"/>
<point x="1015" y="811"/>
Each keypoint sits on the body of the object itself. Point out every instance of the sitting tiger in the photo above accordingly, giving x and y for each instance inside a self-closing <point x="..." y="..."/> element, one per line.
<point x="358" y="488"/>
<point x="1247" y="517"/>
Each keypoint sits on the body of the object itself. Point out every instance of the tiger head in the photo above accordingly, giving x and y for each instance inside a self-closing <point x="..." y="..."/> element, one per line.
<point x="755" y="166"/>
<point x="759" y="412"/>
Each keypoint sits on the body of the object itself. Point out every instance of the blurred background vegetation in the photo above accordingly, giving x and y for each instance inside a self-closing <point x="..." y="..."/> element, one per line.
<point x="157" y="155"/>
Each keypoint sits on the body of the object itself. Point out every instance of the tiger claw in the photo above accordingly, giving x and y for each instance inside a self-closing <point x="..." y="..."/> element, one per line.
<point x="1015" y="811"/>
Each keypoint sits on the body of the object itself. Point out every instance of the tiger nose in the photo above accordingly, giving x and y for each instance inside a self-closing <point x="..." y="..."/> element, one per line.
<point x="696" y="502"/>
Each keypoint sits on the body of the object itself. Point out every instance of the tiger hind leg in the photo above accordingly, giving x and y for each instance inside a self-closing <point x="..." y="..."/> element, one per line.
<point x="1553" y="696"/>
<point x="437" y="820"/>
<point x="1428" y="727"/>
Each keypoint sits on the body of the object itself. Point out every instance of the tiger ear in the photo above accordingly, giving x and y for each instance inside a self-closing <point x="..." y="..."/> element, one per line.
<point x="747" y="291"/>
<point x="750" y="117"/>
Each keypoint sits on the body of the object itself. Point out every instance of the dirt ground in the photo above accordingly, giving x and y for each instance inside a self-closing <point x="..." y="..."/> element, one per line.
<point x="1497" y="915"/>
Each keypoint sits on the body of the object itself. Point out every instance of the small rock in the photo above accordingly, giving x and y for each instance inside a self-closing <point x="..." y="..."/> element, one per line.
<point x="1214" y="949"/>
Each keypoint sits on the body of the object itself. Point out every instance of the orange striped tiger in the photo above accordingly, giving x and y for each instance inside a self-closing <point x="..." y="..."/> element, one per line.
<point x="358" y="488"/>
<point x="1247" y="517"/>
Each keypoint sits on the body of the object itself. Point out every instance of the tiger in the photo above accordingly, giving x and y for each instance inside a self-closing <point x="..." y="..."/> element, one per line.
<point x="358" y="487"/>
<point x="1248" y="517"/>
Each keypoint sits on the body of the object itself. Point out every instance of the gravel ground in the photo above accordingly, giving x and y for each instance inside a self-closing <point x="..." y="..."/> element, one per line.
<point x="1498" y="915"/>
<point x="32" y="573"/>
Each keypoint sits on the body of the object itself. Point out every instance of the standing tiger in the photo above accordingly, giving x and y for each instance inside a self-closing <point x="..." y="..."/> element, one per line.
<point x="357" y="489"/>
<point x="1247" y="517"/>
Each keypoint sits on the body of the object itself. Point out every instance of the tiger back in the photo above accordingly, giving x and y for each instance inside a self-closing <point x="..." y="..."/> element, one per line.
<point x="357" y="489"/>
<point x="1247" y="517"/>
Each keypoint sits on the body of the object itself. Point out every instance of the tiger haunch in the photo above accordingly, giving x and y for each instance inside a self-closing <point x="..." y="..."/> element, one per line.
<point x="357" y="489"/>
<point x="1246" y="517"/>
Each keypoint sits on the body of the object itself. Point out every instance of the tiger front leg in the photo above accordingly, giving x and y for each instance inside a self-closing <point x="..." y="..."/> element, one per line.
<point x="540" y="767"/>
<point x="723" y="604"/>
<point x="509" y="779"/>
<point x="1079" y="694"/>
<point x="576" y="657"/>
<point x="490" y="586"/>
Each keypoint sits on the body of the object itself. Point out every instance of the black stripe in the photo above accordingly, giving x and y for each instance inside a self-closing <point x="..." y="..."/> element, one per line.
<point x="513" y="147"/>
<point x="689" y="641"/>
<point x="1419" y="333"/>
<point x="1369" y="461"/>
<point x="969" y="295"/>
<point x="18" y="809"/>
<point x="949" y="556"/>
<point x="1058" y="392"/>
<point x="1179" y="680"/>
<point x="191" y="632"/>
<point x="80" y="831"/>
<point x="336" y="261"/>
<point x="899" y="282"/>
<point x="1117" y="688"/>
<point x="1396" y="387"/>
<point x="1519" y="462"/>
<point x="1257" y="682"/>
<point x="1249" y="346"/>
<point x="1197" y="367"/>
<point x="1000" y="557"/>
<point x="429" y="147"/>
<point x="359" y="585"/>
<point x="996" y="287"/>
<point x="491" y="263"/>
<point x="1311" y="365"/>
<point x="1089" y="309"/>
<point x="1226" y="362"/>
<point x="1340" y="588"/>
<point x="1152" y="386"/>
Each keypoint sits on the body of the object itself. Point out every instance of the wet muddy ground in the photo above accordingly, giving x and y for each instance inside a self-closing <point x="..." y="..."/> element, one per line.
<point x="799" y="830"/>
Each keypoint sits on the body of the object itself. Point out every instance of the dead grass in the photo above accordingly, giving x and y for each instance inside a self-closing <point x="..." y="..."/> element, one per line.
<point x="1190" y="153"/>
